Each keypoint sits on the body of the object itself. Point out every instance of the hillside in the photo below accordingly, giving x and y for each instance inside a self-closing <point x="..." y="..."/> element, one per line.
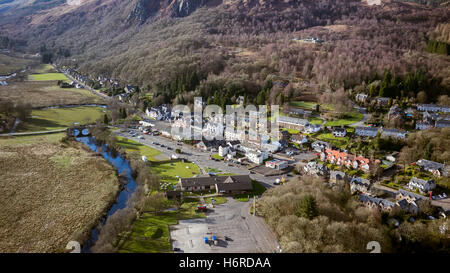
<point x="241" y="43"/>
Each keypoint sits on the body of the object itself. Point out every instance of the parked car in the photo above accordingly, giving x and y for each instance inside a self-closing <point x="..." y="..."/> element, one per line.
<point x="176" y="249"/>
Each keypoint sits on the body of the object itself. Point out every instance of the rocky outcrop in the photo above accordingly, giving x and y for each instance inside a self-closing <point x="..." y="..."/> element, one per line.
<point x="145" y="9"/>
<point x="183" y="8"/>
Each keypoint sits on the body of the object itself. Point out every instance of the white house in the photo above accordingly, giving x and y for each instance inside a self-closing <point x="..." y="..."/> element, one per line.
<point x="312" y="128"/>
<point x="421" y="185"/>
<point x="339" y="132"/>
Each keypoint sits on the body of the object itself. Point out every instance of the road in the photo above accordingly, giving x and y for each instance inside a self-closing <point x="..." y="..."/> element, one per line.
<point x="366" y="117"/>
<point x="201" y="158"/>
<point x="34" y="133"/>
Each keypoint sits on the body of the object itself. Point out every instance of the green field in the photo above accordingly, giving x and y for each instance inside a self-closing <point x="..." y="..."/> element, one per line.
<point x="349" y="118"/>
<point x="48" y="77"/>
<point x="24" y="140"/>
<point x="303" y="104"/>
<point x="133" y="146"/>
<point x="44" y="68"/>
<point x="10" y="64"/>
<point x="150" y="234"/>
<point x="60" y="118"/>
<point x="310" y="105"/>
<point x="168" y="171"/>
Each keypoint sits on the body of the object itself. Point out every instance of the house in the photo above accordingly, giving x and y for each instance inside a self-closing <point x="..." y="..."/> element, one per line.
<point x="358" y="184"/>
<point x="277" y="164"/>
<point x="129" y="89"/>
<point x="284" y="134"/>
<point x="409" y="196"/>
<point x="423" y="125"/>
<point x="209" y="145"/>
<point x="366" y="131"/>
<point x="336" y="176"/>
<point x="433" y="167"/>
<point x="433" y="108"/>
<point x="220" y="184"/>
<point x="300" y="112"/>
<point x="257" y="156"/>
<point x="224" y="150"/>
<point x="271" y="147"/>
<point x="240" y="100"/>
<point x="313" y="167"/>
<point x="421" y="185"/>
<point x="292" y="123"/>
<point x="299" y="139"/>
<point x="392" y="157"/>
<point x="312" y="128"/>
<point x="393" y="133"/>
<point x="153" y="113"/>
<point x="320" y="146"/>
<point x="339" y="132"/>
<point x="395" y="113"/>
<point x="382" y="101"/>
<point x="410" y="207"/>
<point x="342" y="158"/>
<point x="378" y="203"/>
<point x="442" y="123"/>
<point x="361" y="97"/>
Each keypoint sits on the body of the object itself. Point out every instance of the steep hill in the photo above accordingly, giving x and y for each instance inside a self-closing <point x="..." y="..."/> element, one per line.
<point x="229" y="44"/>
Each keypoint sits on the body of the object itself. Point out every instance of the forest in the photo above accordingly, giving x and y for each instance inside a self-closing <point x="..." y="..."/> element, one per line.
<point x="310" y="217"/>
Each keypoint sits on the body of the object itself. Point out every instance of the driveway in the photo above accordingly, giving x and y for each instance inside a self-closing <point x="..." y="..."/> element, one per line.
<point x="247" y="233"/>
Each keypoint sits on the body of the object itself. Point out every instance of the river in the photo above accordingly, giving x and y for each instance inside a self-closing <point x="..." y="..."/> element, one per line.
<point x="123" y="167"/>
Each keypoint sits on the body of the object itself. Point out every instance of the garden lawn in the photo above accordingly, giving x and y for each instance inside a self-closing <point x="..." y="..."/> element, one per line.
<point x="60" y="118"/>
<point x="217" y="200"/>
<point x="48" y="77"/>
<point x="315" y="120"/>
<point x="217" y="156"/>
<point x="349" y="118"/>
<point x="133" y="146"/>
<point x="339" y="142"/>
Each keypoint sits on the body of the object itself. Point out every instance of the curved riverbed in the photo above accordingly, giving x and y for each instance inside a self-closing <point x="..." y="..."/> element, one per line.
<point x="123" y="167"/>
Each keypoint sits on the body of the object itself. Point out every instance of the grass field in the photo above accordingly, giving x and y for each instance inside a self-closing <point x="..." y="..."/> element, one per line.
<point x="133" y="146"/>
<point x="303" y="104"/>
<point x="53" y="119"/>
<point x="349" y="118"/>
<point x="168" y="171"/>
<point x="48" y="77"/>
<point x="150" y="234"/>
<point x="44" y="68"/>
<point x="44" y="93"/>
<point x="10" y="64"/>
<point x="310" y="105"/>
<point x="51" y="192"/>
